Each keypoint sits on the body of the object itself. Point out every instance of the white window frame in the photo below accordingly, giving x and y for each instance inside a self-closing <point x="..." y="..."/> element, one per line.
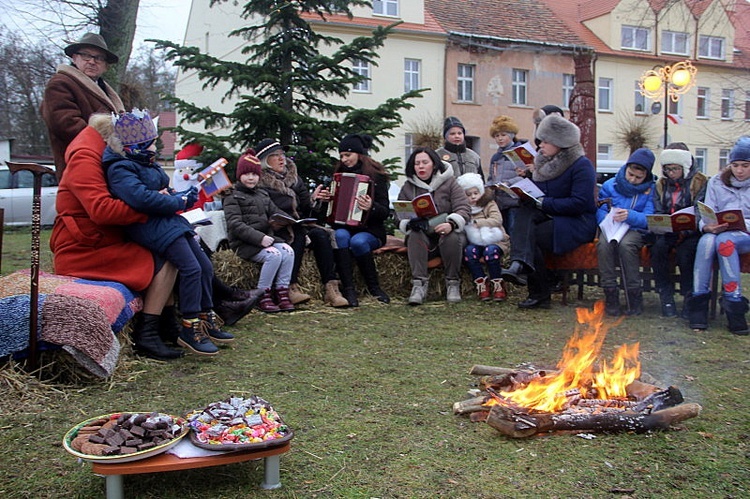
<point x="603" y="151"/>
<point x="408" y="145"/>
<point x="675" y="107"/>
<point x="465" y="89"/>
<point x="388" y="8"/>
<point x="701" y="158"/>
<point x="703" y="102"/>
<point x="412" y="74"/>
<point x="723" y="158"/>
<point x="362" y="68"/>
<point x="630" y="36"/>
<point x="707" y="47"/>
<point x="727" y="104"/>
<point x="605" y="93"/>
<point x="568" y="84"/>
<point x="520" y="87"/>
<point x="675" y="42"/>
<point x="639" y="100"/>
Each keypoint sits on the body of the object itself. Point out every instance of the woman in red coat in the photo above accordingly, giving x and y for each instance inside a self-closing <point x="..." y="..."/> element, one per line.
<point x="88" y="241"/>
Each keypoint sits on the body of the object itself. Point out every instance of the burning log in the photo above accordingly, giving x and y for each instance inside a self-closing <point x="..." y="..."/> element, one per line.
<point x="470" y="405"/>
<point x="519" y="425"/>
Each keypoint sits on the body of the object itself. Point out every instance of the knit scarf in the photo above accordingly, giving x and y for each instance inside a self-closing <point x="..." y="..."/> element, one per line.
<point x="626" y="188"/>
<point x="550" y="167"/>
<point x="282" y="182"/>
<point x="455" y="148"/>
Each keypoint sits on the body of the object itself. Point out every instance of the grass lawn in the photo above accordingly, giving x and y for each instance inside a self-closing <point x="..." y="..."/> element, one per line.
<point x="369" y="394"/>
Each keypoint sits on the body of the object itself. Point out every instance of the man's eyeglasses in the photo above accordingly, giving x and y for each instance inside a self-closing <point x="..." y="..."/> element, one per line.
<point x="91" y="57"/>
<point x="672" y="169"/>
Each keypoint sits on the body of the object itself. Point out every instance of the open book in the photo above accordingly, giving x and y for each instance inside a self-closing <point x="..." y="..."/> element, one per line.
<point x="282" y="220"/>
<point x="733" y="218"/>
<point x="213" y="178"/>
<point x="683" y="219"/>
<point x="522" y="156"/>
<point x="421" y="206"/>
<point x="612" y="230"/>
<point x="196" y="217"/>
<point x="523" y="189"/>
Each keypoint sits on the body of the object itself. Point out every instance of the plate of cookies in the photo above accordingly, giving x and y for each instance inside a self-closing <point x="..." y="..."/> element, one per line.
<point x="122" y="437"/>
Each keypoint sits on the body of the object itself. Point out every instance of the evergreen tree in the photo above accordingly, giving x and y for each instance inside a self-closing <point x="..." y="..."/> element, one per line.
<point x="283" y="88"/>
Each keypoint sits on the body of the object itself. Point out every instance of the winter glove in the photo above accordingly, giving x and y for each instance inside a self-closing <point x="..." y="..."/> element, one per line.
<point x="190" y="196"/>
<point x="418" y="224"/>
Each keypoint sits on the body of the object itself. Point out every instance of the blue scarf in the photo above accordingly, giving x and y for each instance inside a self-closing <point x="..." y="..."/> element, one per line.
<point x="627" y="189"/>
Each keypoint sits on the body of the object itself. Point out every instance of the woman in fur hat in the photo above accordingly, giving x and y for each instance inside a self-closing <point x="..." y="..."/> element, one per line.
<point x="426" y="173"/>
<point x="455" y="151"/>
<point x="290" y="194"/>
<point x="566" y="217"/>
<point x="680" y="186"/>
<point x="487" y="239"/>
<point x="502" y="169"/>
<point x="727" y="190"/>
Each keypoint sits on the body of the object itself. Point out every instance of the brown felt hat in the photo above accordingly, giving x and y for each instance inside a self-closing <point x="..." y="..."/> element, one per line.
<point x="91" y="40"/>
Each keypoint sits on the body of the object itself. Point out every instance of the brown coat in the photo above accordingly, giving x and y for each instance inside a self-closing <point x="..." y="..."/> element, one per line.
<point x="87" y="239"/>
<point x="70" y="98"/>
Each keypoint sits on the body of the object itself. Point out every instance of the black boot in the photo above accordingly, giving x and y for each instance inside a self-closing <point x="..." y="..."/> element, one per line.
<point x="232" y="311"/>
<point x="516" y="273"/>
<point x="736" y="311"/>
<point x="366" y="264"/>
<point x="344" y="265"/>
<point x="147" y="341"/>
<point x="612" y="301"/>
<point x="635" y="299"/>
<point x="169" y="328"/>
<point x="668" y="307"/>
<point x="697" y="310"/>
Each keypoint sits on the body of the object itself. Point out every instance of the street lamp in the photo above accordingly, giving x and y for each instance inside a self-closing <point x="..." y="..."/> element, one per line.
<point x="669" y="83"/>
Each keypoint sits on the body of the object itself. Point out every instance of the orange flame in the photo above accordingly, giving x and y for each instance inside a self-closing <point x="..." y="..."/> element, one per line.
<point x="579" y="368"/>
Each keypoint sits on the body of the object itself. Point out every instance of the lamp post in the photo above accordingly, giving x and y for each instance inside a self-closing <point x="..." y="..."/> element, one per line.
<point x="669" y="83"/>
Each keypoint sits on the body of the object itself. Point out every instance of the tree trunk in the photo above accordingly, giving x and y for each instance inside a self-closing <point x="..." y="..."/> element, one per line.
<point x="117" y="21"/>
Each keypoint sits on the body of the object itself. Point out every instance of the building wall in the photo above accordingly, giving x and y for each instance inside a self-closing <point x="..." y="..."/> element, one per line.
<point x="493" y="91"/>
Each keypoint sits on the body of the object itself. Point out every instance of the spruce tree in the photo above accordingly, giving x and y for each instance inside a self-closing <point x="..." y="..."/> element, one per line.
<point x="285" y="85"/>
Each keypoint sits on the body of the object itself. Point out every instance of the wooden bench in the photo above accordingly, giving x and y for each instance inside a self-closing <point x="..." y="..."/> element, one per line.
<point x="114" y="472"/>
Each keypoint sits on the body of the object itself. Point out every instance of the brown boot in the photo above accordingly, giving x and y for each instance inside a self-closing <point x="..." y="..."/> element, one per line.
<point x="333" y="296"/>
<point x="296" y="295"/>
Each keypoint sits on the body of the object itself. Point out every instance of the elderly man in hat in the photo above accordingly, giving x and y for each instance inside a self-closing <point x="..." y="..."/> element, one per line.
<point x="76" y="92"/>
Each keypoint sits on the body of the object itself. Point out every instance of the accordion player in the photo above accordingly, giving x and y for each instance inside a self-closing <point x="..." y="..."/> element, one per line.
<point x="343" y="208"/>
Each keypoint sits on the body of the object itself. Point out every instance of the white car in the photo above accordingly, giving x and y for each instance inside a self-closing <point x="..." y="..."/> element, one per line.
<point x="16" y="193"/>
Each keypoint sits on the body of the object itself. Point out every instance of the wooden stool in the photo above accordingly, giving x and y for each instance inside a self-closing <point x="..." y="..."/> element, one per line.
<point x="169" y="462"/>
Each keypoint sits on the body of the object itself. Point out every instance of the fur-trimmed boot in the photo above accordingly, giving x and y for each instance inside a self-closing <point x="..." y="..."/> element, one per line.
<point x="483" y="293"/>
<point x="333" y="296"/>
<point x="635" y="298"/>
<point x="736" y="310"/>
<point x="612" y="301"/>
<point x="366" y="264"/>
<point x="147" y="341"/>
<point x="697" y="310"/>
<point x="343" y="259"/>
<point x="498" y="290"/>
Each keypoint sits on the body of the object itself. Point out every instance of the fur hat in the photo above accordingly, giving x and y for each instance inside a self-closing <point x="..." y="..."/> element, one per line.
<point x="91" y="40"/>
<point x="471" y="180"/>
<point x="266" y="147"/>
<point x="642" y="157"/>
<point x="452" y="122"/>
<point x="676" y="157"/>
<point x="558" y="131"/>
<point x="503" y="124"/>
<point x="355" y="143"/>
<point x="542" y="112"/>
<point x="741" y="149"/>
<point x="135" y="127"/>
<point x="248" y="163"/>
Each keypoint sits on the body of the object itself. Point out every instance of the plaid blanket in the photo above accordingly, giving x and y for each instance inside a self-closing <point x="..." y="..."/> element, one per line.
<point x="78" y="315"/>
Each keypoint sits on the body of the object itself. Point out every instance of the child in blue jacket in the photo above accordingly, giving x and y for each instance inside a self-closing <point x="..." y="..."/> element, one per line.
<point x="629" y="197"/>
<point x="134" y="177"/>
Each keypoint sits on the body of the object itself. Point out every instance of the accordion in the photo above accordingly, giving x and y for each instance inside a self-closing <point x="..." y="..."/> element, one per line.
<point x="343" y="208"/>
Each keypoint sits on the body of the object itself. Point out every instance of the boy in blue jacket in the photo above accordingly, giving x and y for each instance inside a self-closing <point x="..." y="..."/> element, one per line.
<point x="629" y="197"/>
